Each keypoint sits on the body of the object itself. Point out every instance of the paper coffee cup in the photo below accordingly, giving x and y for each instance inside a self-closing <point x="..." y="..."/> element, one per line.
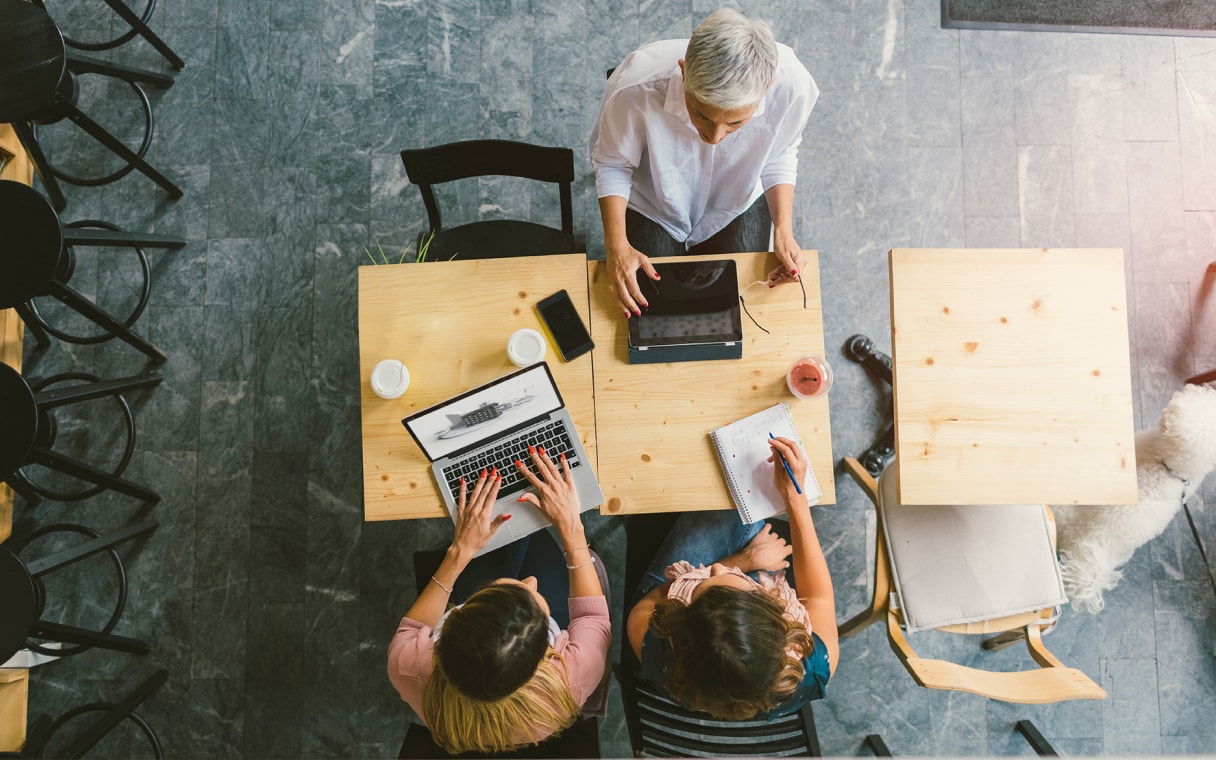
<point x="526" y="347"/>
<point x="390" y="379"/>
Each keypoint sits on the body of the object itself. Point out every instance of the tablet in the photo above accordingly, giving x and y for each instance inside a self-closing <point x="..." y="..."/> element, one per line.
<point x="695" y="302"/>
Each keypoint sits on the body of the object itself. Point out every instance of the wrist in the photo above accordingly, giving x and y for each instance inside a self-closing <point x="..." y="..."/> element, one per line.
<point x="573" y="537"/>
<point x="456" y="558"/>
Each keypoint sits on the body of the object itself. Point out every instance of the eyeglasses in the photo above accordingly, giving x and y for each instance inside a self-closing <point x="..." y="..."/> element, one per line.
<point x="743" y="303"/>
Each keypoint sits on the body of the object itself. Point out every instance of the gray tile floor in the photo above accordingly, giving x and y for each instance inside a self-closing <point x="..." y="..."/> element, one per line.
<point x="266" y="595"/>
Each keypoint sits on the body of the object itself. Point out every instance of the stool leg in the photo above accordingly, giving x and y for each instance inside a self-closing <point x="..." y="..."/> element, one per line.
<point x="104" y="725"/>
<point x="90" y="391"/>
<point x="25" y="136"/>
<point x="1036" y="740"/>
<point x="88" y="548"/>
<point x="138" y="25"/>
<point x="43" y="339"/>
<point x="91" y="474"/>
<point x="102" y="237"/>
<point x="83" y="64"/>
<point x="92" y="311"/>
<point x="70" y="634"/>
<point x="18" y="485"/>
<point x="110" y="141"/>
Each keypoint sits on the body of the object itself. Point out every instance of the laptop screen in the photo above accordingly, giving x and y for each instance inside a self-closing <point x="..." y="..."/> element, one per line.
<point x="485" y="411"/>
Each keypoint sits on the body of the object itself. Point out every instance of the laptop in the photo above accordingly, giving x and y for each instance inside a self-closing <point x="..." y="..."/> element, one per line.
<point x="493" y="425"/>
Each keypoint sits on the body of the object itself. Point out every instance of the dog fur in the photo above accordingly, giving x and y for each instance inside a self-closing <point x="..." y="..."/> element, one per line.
<point x="1171" y="463"/>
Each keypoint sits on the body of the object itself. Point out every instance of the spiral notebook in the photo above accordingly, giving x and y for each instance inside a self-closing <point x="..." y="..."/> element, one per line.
<point x="743" y="451"/>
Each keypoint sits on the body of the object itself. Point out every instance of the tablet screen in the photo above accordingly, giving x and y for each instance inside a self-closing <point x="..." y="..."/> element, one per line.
<point x="693" y="302"/>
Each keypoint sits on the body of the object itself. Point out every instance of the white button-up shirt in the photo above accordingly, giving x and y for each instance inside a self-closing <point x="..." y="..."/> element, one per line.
<point x="645" y="148"/>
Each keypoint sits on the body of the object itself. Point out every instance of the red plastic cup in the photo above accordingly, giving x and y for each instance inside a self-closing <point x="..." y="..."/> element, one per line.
<point x="809" y="377"/>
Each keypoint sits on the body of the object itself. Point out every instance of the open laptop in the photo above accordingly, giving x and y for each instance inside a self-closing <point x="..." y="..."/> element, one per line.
<point x="493" y="425"/>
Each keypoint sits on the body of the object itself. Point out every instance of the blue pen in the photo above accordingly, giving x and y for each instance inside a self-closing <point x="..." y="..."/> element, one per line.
<point x="797" y="487"/>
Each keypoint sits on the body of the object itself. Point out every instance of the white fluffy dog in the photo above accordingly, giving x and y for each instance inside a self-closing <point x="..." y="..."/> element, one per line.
<point x="1171" y="463"/>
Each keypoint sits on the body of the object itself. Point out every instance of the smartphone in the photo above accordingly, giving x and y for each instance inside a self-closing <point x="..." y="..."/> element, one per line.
<point x="565" y="326"/>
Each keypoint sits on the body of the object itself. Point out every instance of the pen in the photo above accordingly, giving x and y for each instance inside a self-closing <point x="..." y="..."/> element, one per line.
<point x="788" y="471"/>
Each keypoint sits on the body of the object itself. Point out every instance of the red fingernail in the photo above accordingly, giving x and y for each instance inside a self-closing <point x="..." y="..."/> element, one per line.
<point x="494" y="472"/>
<point x="519" y="464"/>
<point x="542" y="452"/>
<point x="521" y="499"/>
<point x="628" y="315"/>
<point x="563" y="456"/>
<point x="483" y="473"/>
<point x="462" y="481"/>
<point x="531" y="449"/>
<point x="506" y="517"/>
<point x="793" y="273"/>
<point x="497" y="478"/>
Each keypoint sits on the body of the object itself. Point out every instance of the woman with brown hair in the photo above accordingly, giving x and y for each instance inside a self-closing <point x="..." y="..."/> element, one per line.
<point x="717" y="624"/>
<point x="516" y="658"/>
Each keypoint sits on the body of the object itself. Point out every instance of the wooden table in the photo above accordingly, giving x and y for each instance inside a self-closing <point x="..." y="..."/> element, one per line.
<point x="654" y="449"/>
<point x="1012" y="377"/>
<point x="449" y="322"/>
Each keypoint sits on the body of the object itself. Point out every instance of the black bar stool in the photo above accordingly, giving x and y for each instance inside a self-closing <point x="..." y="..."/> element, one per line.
<point x="139" y="26"/>
<point x="37" y="259"/>
<point x="30" y="431"/>
<point x="23" y="594"/>
<point x="38" y="84"/>
<point x="111" y="715"/>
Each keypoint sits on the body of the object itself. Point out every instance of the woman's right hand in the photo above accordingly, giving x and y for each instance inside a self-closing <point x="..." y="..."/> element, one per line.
<point x="623" y="262"/>
<point x="766" y="551"/>
<point x="555" y="497"/>
<point x="793" y="455"/>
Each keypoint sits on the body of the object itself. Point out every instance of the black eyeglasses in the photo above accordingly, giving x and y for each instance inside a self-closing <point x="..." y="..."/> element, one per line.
<point x="753" y="319"/>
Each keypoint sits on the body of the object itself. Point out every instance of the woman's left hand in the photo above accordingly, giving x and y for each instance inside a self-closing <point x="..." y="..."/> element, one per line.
<point x="475" y="521"/>
<point x="766" y="551"/>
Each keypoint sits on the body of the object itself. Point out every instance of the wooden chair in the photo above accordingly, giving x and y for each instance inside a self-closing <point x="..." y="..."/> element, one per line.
<point x="495" y="238"/>
<point x="1052" y="681"/>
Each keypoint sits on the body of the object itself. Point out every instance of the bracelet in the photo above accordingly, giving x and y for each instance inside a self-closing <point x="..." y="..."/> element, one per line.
<point x="568" y="552"/>
<point x="588" y="562"/>
<point x="440" y="585"/>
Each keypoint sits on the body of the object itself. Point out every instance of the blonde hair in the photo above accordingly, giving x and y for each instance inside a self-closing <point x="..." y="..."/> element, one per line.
<point x="496" y="676"/>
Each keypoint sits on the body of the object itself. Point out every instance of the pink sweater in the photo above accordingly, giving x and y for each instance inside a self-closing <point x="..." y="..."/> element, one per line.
<point x="584" y="646"/>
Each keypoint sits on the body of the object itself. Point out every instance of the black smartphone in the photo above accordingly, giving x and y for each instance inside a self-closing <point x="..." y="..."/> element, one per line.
<point x="565" y="326"/>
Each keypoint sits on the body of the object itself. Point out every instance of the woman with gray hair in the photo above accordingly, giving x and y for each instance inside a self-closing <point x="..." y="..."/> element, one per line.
<point x="696" y="150"/>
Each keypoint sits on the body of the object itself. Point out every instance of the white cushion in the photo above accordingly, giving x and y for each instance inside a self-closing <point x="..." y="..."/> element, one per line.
<point x="965" y="564"/>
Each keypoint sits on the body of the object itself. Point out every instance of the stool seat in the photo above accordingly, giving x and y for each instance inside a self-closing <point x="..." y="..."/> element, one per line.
<point x="33" y="60"/>
<point x="20" y="412"/>
<point x="17" y="599"/>
<point x="32" y="244"/>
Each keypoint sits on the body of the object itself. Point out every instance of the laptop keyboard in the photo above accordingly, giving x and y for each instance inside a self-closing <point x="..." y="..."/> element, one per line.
<point x="502" y="455"/>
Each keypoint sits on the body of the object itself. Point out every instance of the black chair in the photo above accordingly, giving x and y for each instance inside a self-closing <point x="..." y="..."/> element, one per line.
<point x="659" y="726"/>
<point x="23" y="595"/>
<point x="38" y="259"/>
<point x="111" y="715"/>
<point x="498" y="238"/>
<point x="139" y="27"/>
<point x="38" y="85"/>
<point x="579" y="740"/>
<point x="31" y="429"/>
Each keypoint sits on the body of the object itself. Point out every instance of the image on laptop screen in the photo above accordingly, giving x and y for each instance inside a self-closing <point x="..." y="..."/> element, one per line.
<point x="484" y="412"/>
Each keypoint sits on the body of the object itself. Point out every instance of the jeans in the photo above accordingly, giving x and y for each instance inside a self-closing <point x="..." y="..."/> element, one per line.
<point x="748" y="232"/>
<point x="702" y="538"/>
<point x="535" y="555"/>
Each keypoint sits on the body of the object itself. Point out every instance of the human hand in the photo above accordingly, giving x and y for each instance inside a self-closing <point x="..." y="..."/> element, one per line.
<point x="790" y="255"/>
<point x="793" y="455"/>
<point x="766" y="551"/>
<point x="475" y="523"/>
<point x="623" y="262"/>
<point x="556" y="496"/>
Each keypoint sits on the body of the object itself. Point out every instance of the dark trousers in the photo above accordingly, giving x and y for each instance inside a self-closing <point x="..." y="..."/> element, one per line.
<point x="747" y="232"/>
<point x="535" y="555"/>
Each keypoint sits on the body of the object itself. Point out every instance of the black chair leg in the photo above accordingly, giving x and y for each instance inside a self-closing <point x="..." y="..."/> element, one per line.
<point x="19" y="486"/>
<point x="42" y="338"/>
<point x="70" y="634"/>
<point x="114" y="144"/>
<point x="25" y="136"/>
<point x="104" y="237"/>
<point x="83" y="64"/>
<point x="66" y="557"/>
<point x="877" y="746"/>
<point x="1035" y="739"/>
<point x="95" y="390"/>
<point x="98" y="316"/>
<point x="112" y="717"/>
<point x="153" y="39"/>
<point x="90" y="474"/>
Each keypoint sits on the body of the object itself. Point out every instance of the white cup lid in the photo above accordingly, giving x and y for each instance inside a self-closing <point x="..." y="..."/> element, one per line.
<point x="390" y="379"/>
<point x="526" y="346"/>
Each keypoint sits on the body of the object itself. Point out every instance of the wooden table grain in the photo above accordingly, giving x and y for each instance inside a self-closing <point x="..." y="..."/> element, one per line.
<point x="654" y="419"/>
<point x="449" y="322"/>
<point x="1012" y="376"/>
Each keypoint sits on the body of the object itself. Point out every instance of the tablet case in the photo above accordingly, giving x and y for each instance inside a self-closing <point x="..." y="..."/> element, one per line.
<point x="693" y="314"/>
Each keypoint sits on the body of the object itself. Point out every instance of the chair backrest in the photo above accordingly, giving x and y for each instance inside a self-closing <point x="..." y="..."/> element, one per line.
<point x="490" y="158"/>
<point x="660" y="727"/>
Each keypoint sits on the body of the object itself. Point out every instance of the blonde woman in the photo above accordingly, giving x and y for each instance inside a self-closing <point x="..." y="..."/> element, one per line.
<point x="525" y="645"/>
